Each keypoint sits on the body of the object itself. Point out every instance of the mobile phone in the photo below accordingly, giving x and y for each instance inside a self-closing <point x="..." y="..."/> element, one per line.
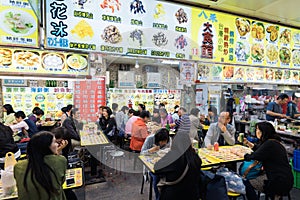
<point x="70" y="181"/>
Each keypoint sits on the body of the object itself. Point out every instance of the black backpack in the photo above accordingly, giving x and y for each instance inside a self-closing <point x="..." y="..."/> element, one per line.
<point x="32" y="127"/>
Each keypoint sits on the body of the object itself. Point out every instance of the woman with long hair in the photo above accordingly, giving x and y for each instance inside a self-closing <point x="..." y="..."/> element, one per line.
<point x="9" y="117"/>
<point x="108" y="123"/>
<point x="41" y="176"/>
<point x="278" y="180"/>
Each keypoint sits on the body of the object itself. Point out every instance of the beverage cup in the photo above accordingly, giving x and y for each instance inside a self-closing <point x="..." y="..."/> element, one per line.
<point x="241" y="137"/>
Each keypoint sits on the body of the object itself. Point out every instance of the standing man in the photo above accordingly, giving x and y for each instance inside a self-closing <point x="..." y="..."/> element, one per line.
<point x="220" y="132"/>
<point x="292" y="109"/>
<point x="274" y="110"/>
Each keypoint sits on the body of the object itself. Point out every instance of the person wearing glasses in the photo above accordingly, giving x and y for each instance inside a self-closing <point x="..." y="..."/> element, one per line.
<point x="221" y="132"/>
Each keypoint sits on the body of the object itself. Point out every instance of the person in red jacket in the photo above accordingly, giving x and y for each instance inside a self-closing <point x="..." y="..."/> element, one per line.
<point x="139" y="131"/>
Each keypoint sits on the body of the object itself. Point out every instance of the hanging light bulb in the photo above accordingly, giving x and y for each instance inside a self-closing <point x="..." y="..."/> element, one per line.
<point x="137" y="64"/>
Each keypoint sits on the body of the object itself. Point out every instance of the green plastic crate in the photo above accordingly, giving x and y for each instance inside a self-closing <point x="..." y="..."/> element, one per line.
<point x="296" y="176"/>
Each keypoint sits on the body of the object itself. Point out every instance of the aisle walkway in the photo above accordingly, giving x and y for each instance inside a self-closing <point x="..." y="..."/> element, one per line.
<point x="119" y="188"/>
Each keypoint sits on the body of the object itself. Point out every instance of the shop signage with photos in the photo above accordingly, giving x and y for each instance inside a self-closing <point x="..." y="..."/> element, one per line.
<point x="33" y="61"/>
<point x="49" y="99"/>
<point x="168" y="30"/>
<point x="149" y="97"/>
<point x="89" y="95"/>
<point x="18" y="24"/>
<point x="241" y="74"/>
<point x="145" y="28"/>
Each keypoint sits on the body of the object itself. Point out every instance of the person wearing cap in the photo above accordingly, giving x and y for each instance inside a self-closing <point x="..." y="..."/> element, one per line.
<point x="292" y="108"/>
<point x="274" y="110"/>
<point x="175" y="115"/>
<point x="221" y="132"/>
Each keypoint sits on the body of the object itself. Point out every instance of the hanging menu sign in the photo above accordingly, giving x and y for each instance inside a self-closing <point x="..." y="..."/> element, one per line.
<point x="237" y="74"/>
<point x="42" y="62"/>
<point x="168" y="30"/>
<point x="146" y="28"/>
<point x="18" y="24"/>
<point x="49" y="99"/>
<point x="89" y="95"/>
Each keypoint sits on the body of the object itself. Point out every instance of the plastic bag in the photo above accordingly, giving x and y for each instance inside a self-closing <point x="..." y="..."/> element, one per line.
<point x="234" y="182"/>
<point x="7" y="175"/>
<point x="212" y="186"/>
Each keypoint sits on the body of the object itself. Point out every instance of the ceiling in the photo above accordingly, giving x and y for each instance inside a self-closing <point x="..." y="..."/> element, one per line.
<point x="285" y="12"/>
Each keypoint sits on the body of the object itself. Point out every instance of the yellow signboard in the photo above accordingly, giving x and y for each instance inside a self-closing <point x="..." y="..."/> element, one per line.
<point x="18" y="24"/>
<point x="225" y="38"/>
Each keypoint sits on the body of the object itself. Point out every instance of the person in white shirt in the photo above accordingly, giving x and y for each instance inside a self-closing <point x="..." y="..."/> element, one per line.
<point x="21" y="124"/>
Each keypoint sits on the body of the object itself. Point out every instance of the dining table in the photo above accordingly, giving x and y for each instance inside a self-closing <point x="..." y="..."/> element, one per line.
<point x="209" y="157"/>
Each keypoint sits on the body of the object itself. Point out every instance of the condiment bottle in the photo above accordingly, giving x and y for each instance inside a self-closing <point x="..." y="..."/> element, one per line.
<point x="216" y="146"/>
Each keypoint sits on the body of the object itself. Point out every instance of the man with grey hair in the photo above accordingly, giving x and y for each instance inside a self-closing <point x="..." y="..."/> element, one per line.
<point x="220" y="132"/>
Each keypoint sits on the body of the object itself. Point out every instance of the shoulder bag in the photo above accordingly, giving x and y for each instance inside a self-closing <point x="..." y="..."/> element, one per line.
<point x="162" y="182"/>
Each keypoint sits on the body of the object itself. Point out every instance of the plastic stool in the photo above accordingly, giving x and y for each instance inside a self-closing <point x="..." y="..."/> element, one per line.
<point x="233" y="195"/>
<point x="118" y="155"/>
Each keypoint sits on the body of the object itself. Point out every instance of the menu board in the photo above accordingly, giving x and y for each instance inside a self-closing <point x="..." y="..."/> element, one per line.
<point x="49" y="99"/>
<point x="241" y="74"/>
<point x="170" y="98"/>
<point x="146" y="28"/>
<point x="132" y="98"/>
<point x="150" y="98"/>
<point x="42" y="62"/>
<point x="18" y="24"/>
<point x="168" y="30"/>
<point x="89" y="95"/>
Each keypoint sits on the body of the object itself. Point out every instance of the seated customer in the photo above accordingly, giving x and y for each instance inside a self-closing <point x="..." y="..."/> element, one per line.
<point x="7" y="144"/>
<point x="220" y="132"/>
<point x="42" y="175"/>
<point x="21" y="124"/>
<point x="152" y="144"/>
<point x="272" y="154"/>
<point x="139" y="131"/>
<point x="180" y="161"/>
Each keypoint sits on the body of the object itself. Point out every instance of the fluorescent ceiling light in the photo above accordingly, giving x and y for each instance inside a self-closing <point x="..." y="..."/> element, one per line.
<point x="137" y="64"/>
<point x="170" y="62"/>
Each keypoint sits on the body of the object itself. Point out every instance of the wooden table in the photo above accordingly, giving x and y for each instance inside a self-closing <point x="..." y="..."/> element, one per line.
<point x="209" y="157"/>
<point x="87" y="138"/>
<point x="289" y="133"/>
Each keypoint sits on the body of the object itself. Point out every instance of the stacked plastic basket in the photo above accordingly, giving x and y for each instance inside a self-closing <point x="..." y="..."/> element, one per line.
<point x="296" y="168"/>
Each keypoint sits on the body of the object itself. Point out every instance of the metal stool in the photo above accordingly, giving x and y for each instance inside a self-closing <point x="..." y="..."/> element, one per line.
<point x="117" y="155"/>
<point x="267" y="196"/>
